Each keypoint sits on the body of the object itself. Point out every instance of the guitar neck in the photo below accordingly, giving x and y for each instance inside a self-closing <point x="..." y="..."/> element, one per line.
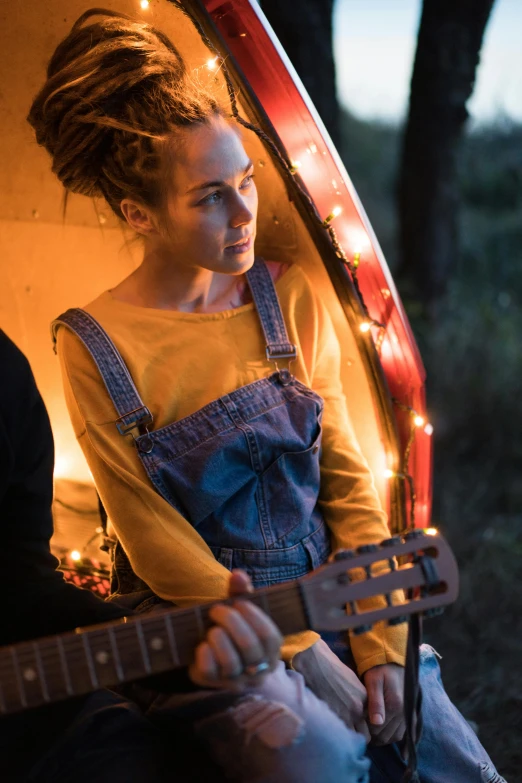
<point x="71" y="664"/>
<point x="330" y="598"/>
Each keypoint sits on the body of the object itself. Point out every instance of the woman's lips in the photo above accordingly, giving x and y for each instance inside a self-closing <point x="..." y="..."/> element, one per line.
<point x="244" y="247"/>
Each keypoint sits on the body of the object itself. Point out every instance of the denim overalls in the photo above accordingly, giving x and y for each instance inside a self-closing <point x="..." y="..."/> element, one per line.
<point x="243" y="470"/>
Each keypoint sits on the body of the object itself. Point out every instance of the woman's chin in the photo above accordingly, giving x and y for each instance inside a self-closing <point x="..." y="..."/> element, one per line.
<point x="238" y="263"/>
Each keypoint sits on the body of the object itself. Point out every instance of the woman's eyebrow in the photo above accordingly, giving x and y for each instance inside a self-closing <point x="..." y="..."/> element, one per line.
<point x="217" y="183"/>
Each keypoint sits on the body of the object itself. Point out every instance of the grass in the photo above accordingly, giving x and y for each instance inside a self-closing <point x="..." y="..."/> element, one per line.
<point x="473" y="355"/>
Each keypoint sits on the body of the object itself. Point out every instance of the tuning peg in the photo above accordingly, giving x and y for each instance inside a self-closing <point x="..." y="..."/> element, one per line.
<point x="413" y="534"/>
<point x="343" y="554"/>
<point x="361" y="629"/>
<point x="398" y="620"/>
<point x="367" y="548"/>
<point x="392" y="541"/>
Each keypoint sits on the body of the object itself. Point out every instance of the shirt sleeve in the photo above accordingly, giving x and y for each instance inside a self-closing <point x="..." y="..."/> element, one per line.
<point x="163" y="547"/>
<point x="348" y="497"/>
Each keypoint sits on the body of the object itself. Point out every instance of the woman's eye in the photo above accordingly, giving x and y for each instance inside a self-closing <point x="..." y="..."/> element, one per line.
<point x="247" y="181"/>
<point x="212" y="198"/>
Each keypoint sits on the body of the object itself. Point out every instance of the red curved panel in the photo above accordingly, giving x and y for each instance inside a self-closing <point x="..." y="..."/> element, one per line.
<point x="266" y="67"/>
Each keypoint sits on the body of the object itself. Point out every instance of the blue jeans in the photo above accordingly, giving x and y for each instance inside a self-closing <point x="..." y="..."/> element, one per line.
<point x="281" y="733"/>
<point x="449" y="750"/>
<point x="276" y="733"/>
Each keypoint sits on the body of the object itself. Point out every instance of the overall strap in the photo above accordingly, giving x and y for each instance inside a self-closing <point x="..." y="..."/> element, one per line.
<point x="278" y="346"/>
<point x="131" y="411"/>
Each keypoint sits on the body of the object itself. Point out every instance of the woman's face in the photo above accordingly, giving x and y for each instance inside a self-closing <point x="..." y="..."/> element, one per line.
<point x="211" y="204"/>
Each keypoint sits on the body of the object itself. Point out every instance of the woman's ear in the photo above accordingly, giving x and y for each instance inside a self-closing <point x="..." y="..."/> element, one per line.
<point x="138" y="217"/>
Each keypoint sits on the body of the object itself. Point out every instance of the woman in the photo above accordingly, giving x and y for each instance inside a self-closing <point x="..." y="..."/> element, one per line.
<point x="208" y="453"/>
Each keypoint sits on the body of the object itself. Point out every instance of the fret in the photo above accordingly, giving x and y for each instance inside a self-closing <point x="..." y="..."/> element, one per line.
<point x="21" y="689"/>
<point x="77" y="664"/>
<point x="156" y="642"/>
<point x="116" y="655"/>
<point x="143" y="646"/>
<point x="28" y="675"/>
<point x="50" y="666"/>
<point x="89" y="659"/>
<point x="129" y="651"/>
<point x="172" y="640"/>
<point x="41" y="673"/>
<point x="65" y="668"/>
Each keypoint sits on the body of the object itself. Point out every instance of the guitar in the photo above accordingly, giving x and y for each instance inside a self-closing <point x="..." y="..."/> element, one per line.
<point x="57" y="667"/>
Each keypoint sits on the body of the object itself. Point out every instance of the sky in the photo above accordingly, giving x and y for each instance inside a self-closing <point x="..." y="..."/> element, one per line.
<point x="374" y="43"/>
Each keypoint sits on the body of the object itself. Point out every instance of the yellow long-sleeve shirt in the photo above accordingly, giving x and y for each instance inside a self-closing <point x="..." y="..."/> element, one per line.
<point x="180" y="362"/>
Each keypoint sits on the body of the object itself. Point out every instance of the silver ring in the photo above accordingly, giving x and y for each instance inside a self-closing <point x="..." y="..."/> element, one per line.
<point x="254" y="669"/>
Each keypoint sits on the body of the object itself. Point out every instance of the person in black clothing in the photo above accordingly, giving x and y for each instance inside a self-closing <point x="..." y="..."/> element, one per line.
<point x="103" y="737"/>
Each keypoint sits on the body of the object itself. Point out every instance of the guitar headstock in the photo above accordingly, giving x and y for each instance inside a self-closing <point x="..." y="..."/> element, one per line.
<point x="332" y="593"/>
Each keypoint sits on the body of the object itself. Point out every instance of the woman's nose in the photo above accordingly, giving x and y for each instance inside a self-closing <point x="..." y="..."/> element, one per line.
<point x="241" y="214"/>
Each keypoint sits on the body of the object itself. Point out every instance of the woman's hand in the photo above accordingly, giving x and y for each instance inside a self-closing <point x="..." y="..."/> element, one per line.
<point x="335" y="683"/>
<point x="385" y="687"/>
<point x="242" y="639"/>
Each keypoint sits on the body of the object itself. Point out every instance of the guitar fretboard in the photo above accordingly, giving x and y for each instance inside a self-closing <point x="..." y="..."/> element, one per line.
<point x="71" y="664"/>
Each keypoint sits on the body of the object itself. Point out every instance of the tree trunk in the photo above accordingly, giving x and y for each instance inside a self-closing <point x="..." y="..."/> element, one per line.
<point x="305" y="31"/>
<point x="448" y="49"/>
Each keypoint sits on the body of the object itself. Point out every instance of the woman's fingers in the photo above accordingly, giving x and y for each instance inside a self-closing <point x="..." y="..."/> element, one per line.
<point x="243" y="639"/>
<point x="205" y="667"/>
<point x="392" y="732"/>
<point x="239" y="583"/>
<point x="266" y="631"/>
<point x="228" y="658"/>
<point x="253" y="633"/>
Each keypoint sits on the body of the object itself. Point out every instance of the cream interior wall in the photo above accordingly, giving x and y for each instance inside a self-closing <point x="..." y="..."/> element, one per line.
<point x="48" y="264"/>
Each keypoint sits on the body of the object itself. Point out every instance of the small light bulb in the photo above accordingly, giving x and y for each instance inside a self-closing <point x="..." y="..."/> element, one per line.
<point x="431" y="531"/>
<point x="75" y="555"/>
<point x="365" y="326"/>
<point x="144" y="4"/>
<point x="428" y="429"/>
<point x="333" y="214"/>
<point x="418" y="421"/>
<point x="388" y="473"/>
<point x="212" y="64"/>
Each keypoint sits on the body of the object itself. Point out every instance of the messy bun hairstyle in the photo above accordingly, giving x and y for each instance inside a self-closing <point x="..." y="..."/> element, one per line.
<point x="115" y="89"/>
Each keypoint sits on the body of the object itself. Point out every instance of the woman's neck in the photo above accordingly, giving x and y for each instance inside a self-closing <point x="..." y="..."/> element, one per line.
<point x="155" y="284"/>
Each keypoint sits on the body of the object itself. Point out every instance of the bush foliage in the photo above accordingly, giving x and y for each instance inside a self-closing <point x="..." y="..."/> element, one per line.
<point x="472" y="349"/>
